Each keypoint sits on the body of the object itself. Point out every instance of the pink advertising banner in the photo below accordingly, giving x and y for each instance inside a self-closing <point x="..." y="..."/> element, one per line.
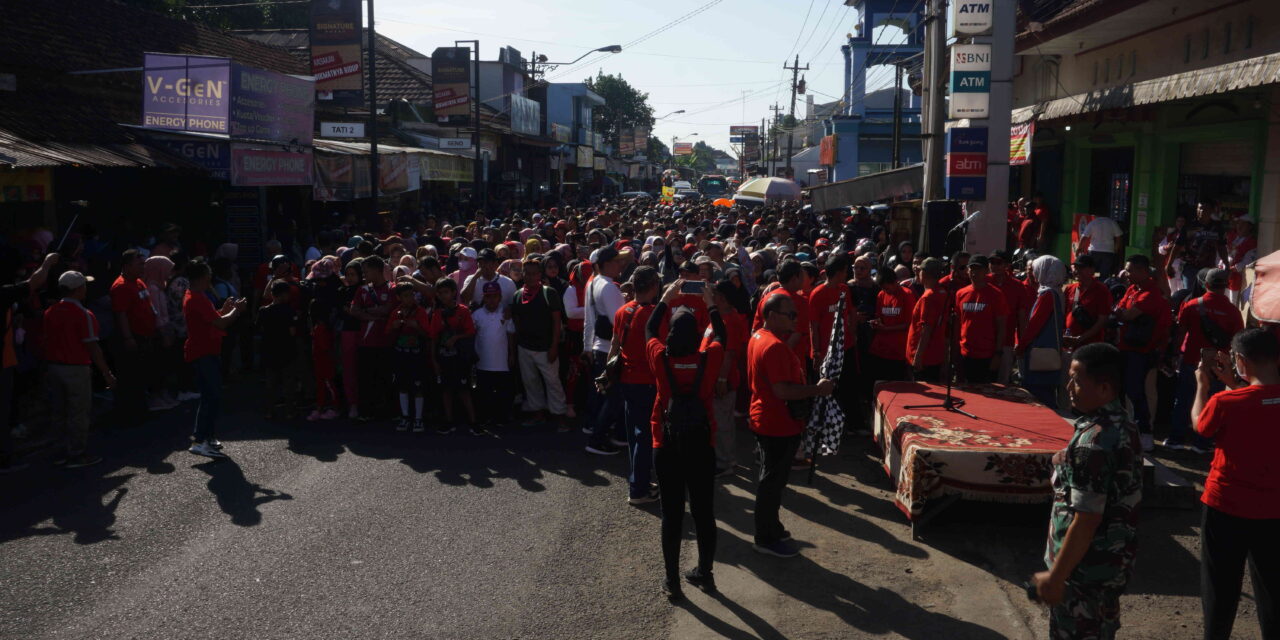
<point x="255" y="167"/>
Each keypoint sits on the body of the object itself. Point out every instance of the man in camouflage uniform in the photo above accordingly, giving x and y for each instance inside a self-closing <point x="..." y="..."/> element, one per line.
<point x="1097" y="485"/>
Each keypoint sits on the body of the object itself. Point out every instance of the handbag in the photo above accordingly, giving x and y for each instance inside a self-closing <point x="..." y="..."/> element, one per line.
<point x="613" y="366"/>
<point x="1047" y="358"/>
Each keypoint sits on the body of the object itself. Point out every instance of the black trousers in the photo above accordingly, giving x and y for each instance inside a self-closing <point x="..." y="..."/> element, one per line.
<point x="373" y="371"/>
<point x="976" y="370"/>
<point x="136" y="372"/>
<point x="493" y="396"/>
<point x="932" y="373"/>
<point x="681" y="471"/>
<point x="1226" y="544"/>
<point x="775" y="457"/>
<point x="885" y="369"/>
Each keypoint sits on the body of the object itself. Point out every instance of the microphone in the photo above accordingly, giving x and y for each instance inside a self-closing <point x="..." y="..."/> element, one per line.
<point x="964" y="223"/>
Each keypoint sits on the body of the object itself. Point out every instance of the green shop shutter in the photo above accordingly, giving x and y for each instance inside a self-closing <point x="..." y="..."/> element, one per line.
<point x="1224" y="158"/>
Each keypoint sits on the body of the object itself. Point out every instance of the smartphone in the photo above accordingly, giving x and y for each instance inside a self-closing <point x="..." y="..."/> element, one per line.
<point x="695" y="287"/>
<point x="1209" y="355"/>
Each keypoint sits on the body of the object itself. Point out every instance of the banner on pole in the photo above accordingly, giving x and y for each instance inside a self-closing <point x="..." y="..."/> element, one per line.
<point x="336" y="53"/>
<point x="1020" y="136"/>
<point x="970" y="81"/>
<point x="683" y="149"/>
<point x="451" y="73"/>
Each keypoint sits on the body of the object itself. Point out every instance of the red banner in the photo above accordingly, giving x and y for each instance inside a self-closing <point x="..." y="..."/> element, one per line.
<point x="827" y="151"/>
<point x="1020" y="136"/>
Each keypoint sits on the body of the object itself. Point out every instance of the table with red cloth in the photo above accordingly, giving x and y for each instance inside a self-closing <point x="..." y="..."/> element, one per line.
<point x="1003" y="456"/>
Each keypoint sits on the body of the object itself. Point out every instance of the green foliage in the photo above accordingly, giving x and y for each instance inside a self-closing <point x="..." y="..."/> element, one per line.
<point x="265" y="15"/>
<point x="624" y="106"/>
<point x="658" y="151"/>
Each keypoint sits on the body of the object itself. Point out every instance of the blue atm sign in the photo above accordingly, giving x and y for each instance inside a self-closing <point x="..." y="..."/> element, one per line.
<point x="967" y="140"/>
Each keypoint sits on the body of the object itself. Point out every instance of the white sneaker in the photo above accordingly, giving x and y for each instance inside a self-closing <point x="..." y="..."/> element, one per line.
<point x="1148" y="443"/>
<point x="1176" y="446"/>
<point x="207" y="450"/>
<point x="1197" y="450"/>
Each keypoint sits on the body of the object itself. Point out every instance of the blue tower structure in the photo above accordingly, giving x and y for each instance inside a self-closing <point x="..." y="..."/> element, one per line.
<point x="864" y="126"/>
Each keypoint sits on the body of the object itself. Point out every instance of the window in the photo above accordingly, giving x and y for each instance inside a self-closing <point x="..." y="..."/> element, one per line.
<point x="1119" y="66"/>
<point x="1226" y="38"/>
<point x="1204" y="52"/>
<point x="1133" y="62"/>
<point x="1095" y="72"/>
<point x="1186" y="50"/>
<point x="1248" y="32"/>
<point x="1106" y="70"/>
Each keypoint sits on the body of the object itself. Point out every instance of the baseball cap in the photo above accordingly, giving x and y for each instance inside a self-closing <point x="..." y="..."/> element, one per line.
<point x="72" y="280"/>
<point x="468" y="252"/>
<point x="979" y="261"/>
<point x="606" y="254"/>
<point x="933" y="267"/>
<point x="491" y="288"/>
<point x="278" y="260"/>
<point x="1086" y="261"/>
<point x="1000" y="254"/>
<point x="488" y="254"/>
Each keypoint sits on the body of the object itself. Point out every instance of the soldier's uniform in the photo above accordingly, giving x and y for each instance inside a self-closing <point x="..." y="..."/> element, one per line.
<point x="1100" y="471"/>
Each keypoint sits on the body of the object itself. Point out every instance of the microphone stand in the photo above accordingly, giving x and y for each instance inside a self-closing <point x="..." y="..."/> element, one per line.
<point x="950" y="402"/>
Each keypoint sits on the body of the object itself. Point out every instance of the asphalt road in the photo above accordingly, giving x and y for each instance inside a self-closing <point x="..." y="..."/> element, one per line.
<point x="337" y="530"/>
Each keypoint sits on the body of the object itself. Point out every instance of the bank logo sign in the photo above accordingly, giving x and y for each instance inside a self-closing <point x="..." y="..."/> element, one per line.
<point x="970" y="18"/>
<point x="970" y="81"/>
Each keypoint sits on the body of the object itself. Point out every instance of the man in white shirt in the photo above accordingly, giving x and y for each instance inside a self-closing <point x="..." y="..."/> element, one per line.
<point x="1101" y="239"/>
<point x="495" y="350"/>
<point x="473" y="286"/>
<point x="602" y="301"/>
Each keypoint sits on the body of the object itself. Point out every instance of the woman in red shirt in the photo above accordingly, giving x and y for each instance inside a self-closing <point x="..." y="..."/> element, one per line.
<point x="682" y="370"/>
<point x="203" y="348"/>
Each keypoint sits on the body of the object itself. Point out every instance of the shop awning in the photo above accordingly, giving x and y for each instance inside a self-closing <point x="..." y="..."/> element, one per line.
<point x="885" y="185"/>
<point x="21" y="153"/>
<point x="1233" y="76"/>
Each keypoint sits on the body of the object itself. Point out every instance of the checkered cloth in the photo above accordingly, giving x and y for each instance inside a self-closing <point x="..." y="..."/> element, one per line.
<point x="826" y="422"/>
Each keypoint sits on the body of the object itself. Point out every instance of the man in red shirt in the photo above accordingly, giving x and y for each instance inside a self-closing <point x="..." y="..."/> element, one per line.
<point x="776" y="376"/>
<point x="895" y="303"/>
<point x="1242" y="493"/>
<point x="959" y="276"/>
<point x="927" y="336"/>
<point x="791" y="283"/>
<point x="983" y="315"/>
<point x="1146" y="316"/>
<point x="1019" y="299"/>
<point x="205" y="329"/>
<point x="372" y="307"/>
<point x="729" y="378"/>
<point x="135" y="346"/>
<point x="636" y="382"/>
<point x="824" y="304"/>
<point x="1207" y="322"/>
<point x="71" y="345"/>
<point x="1089" y="305"/>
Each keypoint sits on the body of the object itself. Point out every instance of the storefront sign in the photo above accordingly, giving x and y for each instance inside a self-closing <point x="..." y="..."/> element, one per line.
<point x="266" y="105"/>
<point x="585" y="157"/>
<point x="970" y="18"/>
<point x="213" y="155"/>
<point x="341" y="129"/>
<point x="743" y="130"/>
<point x="683" y="149"/>
<point x="627" y="141"/>
<point x="1020" y="136"/>
<point x="642" y="139"/>
<point x="255" y="167"/>
<point x="489" y="145"/>
<point x="336" y="60"/>
<point x="560" y="132"/>
<point x="26" y="185"/>
<point x="970" y="81"/>
<point x="451" y="73"/>
<point x="455" y="143"/>
<point x="526" y="116"/>
<point x="186" y="93"/>
<point x="966" y="163"/>
<point x="599" y="164"/>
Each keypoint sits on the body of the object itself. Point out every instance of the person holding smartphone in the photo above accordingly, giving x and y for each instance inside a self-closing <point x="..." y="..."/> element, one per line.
<point x="203" y="348"/>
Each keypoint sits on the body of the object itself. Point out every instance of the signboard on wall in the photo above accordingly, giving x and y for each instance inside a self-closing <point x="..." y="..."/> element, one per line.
<point x="585" y="157"/>
<point x="970" y="81"/>
<point x="683" y="149"/>
<point x="186" y="93"/>
<point x="252" y="166"/>
<point x="970" y="18"/>
<point x="336" y="60"/>
<point x="642" y="139"/>
<point x="213" y="156"/>
<point x="827" y="151"/>
<point x="966" y="163"/>
<point x="627" y="141"/>
<point x="1020" y="136"/>
<point x="526" y="116"/>
<point x="341" y="129"/>
<point x="266" y="105"/>
<point x="451" y="72"/>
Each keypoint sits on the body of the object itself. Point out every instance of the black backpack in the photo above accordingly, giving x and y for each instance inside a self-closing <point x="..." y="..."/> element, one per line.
<point x="685" y="422"/>
<point x="1214" y="334"/>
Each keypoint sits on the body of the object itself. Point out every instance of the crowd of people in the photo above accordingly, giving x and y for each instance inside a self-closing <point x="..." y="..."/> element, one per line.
<point x="654" y="329"/>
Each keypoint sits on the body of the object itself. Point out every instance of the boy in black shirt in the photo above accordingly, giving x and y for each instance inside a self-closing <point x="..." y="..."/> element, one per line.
<point x="278" y="324"/>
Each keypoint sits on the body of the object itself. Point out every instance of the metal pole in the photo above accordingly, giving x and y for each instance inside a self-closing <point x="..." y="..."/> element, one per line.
<point x="934" y="124"/>
<point x="478" y="199"/>
<point x="373" y="112"/>
<point x="795" y="77"/>
<point x="897" y="117"/>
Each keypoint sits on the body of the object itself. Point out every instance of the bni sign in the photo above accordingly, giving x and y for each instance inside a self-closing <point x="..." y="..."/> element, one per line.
<point x="970" y="18"/>
<point x="970" y="81"/>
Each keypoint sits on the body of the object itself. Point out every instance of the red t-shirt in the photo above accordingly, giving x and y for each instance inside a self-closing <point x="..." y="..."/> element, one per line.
<point x="68" y="328"/>
<point x="628" y="323"/>
<point x="803" y="325"/>
<point x="685" y="370"/>
<point x="1019" y="300"/>
<point x="1095" y="298"/>
<point x="460" y="323"/>
<point x="410" y="337"/>
<point x="373" y="333"/>
<point x="1152" y="303"/>
<point x="1221" y="312"/>
<point x="203" y="339"/>
<point x="1244" y="480"/>
<point x="133" y="300"/>
<point x="930" y="311"/>
<point x="893" y="309"/>
<point x="823" y="303"/>
<point x="695" y="302"/>
<point x="978" y="310"/>
<point x="735" y="325"/>
<point x="769" y="360"/>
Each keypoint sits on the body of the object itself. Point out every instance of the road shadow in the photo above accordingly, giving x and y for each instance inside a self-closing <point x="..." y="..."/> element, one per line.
<point x="236" y="496"/>
<point x="82" y="513"/>
<point x="761" y="628"/>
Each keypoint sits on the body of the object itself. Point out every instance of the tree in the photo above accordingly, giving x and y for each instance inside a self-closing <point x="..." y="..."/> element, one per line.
<point x="624" y="106"/>
<point x="256" y="14"/>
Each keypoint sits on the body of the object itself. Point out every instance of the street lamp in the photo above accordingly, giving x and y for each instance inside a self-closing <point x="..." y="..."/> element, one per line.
<point x="538" y="64"/>
<point x="671" y="114"/>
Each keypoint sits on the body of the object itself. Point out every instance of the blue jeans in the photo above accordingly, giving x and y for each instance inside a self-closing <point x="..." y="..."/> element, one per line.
<point x="604" y="411"/>
<point x="1183" y="397"/>
<point x="637" y="403"/>
<point x="1136" y="367"/>
<point x="209" y="382"/>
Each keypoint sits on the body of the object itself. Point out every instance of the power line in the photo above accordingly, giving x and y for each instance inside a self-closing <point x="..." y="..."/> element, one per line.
<point x="815" y="26"/>
<point x="666" y="27"/>
<point x="245" y="4"/>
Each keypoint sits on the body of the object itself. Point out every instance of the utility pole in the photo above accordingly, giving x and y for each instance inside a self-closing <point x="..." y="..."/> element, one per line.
<point x="374" y="182"/>
<point x="773" y="138"/>
<point x="933" y="125"/>
<point x="795" y="78"/>
<point x="478" y="198"/>
<point x="897" y="116"/>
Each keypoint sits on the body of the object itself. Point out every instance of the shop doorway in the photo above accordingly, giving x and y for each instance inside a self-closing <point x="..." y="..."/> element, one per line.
<point x="1111" y="183"/>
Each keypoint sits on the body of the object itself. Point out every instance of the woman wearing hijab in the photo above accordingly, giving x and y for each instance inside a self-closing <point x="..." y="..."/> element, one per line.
<point x="1044" y="331"/>
<point x="683" y="464"/>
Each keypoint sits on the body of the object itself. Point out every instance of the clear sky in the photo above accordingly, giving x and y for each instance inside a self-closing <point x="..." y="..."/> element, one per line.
<point x="702" y="65"/>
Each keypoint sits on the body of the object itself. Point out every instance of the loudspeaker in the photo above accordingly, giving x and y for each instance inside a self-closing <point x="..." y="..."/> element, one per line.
<point x="939" y="218"/>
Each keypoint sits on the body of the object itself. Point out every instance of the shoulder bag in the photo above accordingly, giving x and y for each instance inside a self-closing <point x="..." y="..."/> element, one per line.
<point x="1041" y="359"/>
